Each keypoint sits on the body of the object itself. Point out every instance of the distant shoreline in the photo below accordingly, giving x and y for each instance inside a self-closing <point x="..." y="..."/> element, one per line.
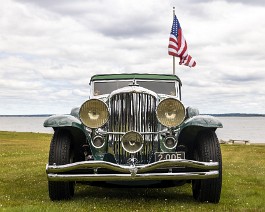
<point x="38" y="115"/>
<point x="249" y="128"/>
<point x="238" y="115"/>
<point x="216" y="115"/>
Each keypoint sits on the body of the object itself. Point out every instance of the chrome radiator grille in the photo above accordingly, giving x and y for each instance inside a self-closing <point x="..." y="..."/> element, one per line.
<point x="133" y="112"/>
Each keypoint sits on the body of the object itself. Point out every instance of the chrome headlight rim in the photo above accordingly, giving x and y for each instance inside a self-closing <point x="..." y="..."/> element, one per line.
<point x="175" y="142"/>
<point x="133" y="133"/>
<point x="83" y="118"/>
<point x="93" y="142"/>
<point x="183" y="111"/>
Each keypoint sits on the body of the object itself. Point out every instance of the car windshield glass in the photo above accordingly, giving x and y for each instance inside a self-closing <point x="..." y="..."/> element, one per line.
<point x="101" y="88"/>
<point x="161" y="87"/>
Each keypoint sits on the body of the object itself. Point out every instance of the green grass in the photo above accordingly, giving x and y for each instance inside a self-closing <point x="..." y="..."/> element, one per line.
<point x="23" y="183"/>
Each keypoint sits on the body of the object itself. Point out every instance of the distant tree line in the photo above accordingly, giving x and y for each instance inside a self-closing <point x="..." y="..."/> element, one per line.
<point x="238" y="115"/>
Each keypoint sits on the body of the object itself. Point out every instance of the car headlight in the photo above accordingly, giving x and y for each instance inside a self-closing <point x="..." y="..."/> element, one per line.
<point x="132" y="142"/>
<point x="94" y="113"/>
<point x="170" y="142"/>
<point x="170" y="112"/>
<point x="98" y="141"/>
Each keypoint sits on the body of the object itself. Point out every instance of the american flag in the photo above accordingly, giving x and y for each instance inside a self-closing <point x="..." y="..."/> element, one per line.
<point x="178" y="46"/>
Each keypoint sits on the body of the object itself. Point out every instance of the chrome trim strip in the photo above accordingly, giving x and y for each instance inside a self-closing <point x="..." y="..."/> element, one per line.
<point x="123" y="133"/>
<point x="167" y="130"/>
<point x="129" y="177"/>
<point x="133" y="89"/>
<point x="132" y="169"/>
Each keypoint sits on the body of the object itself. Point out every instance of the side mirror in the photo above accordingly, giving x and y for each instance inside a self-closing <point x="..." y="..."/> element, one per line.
<point x="75" y="112"/>
<point x="191" y="111"/>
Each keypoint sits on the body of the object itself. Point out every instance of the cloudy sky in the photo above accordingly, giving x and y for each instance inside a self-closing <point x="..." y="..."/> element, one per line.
<point x="50" y="49"/>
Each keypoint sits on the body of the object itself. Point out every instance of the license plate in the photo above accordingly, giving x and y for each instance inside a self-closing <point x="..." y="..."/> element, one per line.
<point x="169" y="155"/>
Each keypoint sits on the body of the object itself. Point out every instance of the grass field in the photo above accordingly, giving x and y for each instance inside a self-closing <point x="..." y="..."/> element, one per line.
<point x="23" y="183"/>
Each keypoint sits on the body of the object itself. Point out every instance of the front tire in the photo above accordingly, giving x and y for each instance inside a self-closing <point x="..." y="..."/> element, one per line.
<point x="60" y="153"/>
<point x="208" y="149"/>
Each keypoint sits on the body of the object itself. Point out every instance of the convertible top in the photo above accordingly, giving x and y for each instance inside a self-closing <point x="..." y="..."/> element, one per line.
<point x="170" y="77"/>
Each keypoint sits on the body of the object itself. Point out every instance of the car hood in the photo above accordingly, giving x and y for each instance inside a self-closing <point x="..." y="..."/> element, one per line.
<point x="133" y="89"/>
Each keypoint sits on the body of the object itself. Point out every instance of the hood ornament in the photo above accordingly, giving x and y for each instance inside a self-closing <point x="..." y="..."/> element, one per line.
<point x="132" y="162"/>
<point x="133" y="83"/>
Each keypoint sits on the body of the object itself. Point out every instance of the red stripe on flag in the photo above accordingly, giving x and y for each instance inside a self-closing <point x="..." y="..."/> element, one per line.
<point x="172" y="47"/>
<point x="178" y="46"/>
<point x="188" y="60"/>
<point x="172" y="54"/>
<point x="184" y="49"/>
<point x="179" y="39"/>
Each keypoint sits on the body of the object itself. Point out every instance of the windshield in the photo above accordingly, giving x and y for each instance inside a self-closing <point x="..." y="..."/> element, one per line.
<point x="101" y="88"/>
<point x="161" y="87"/>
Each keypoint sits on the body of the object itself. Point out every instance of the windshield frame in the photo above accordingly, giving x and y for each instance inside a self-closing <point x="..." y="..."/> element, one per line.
<point x="176" y="83"/>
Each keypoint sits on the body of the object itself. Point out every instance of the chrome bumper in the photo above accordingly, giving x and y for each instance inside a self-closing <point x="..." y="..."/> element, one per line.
<point x="206" y="170"/>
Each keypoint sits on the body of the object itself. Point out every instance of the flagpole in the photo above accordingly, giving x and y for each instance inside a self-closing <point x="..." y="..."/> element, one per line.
<point x="174" y="56"/>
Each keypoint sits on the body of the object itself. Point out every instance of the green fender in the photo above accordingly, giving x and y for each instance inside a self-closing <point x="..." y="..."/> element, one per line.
<point x="56" y="121"/>
<point x="202" y="121"/>
<point x="72" y="124"/>
<point x="192" y="126"/>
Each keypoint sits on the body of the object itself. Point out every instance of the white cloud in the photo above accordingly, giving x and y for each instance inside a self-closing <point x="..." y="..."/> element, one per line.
<point x="48" y="52"/>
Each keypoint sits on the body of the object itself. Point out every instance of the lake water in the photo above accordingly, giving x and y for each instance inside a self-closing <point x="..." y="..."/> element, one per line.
<point x="242" y="128"/>
<point x="24" y="124"/>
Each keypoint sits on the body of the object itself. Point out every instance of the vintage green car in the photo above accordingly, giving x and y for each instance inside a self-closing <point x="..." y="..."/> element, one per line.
<point x="135" y="131"/>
